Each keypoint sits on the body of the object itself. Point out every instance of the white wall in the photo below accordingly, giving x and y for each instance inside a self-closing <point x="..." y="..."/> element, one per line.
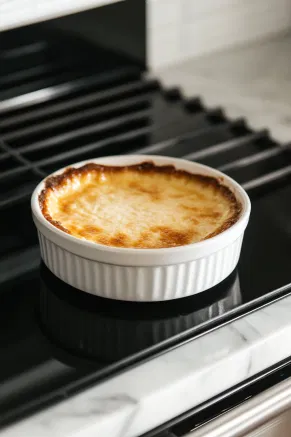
<point x="180" y="29"/>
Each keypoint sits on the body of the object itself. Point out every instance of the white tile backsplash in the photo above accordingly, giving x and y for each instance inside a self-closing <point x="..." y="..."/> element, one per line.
<point x="182" y="29"/>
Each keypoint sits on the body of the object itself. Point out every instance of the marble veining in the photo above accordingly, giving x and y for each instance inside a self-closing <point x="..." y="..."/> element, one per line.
<point x="153" y="392"/>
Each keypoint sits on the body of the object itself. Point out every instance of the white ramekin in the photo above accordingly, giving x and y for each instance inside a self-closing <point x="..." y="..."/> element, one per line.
<point x="143" y="274"/>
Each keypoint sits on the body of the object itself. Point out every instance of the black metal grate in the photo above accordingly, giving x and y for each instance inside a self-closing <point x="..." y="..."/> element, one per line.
<point x="129" y="114"/>
<point x="136" y="116"/>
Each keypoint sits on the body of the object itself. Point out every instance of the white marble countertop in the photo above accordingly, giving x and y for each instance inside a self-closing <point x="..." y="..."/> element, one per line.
<point x="253" y="82"/>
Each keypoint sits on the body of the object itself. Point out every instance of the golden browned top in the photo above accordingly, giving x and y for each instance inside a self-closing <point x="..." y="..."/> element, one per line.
<point x="138" y="206"/>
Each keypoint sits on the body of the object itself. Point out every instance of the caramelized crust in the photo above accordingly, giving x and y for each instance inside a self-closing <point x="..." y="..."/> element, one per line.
<point x="138" y="206"/>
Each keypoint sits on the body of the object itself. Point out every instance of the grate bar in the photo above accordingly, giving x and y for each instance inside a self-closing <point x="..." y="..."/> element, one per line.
<point x="26" y="164"/>
<point x="257" y="157"/>
<point x="44" y="94"/>
<point x="129" y="104"/>
<point x="24" y="74"/>
<point x="227" y="145"/>
<point x="13" y="172"/>
<point x="4" y="156"/>
<point x="74" y="102"/>
<point x="16" y="198"/>
<point x="93" y="129"/>
<point x="25" y="50"/>
<point x="16" y="171"/>
<point x="163" y="145"/>
<point x="19" y="263"/>
<point x="26" y="87"/>
<point x="267" y="178"/>
<point x="93" y="146"/>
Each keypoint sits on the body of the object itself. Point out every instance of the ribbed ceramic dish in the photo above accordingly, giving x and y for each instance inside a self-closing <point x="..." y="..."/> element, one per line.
<point x="143" y="274"/>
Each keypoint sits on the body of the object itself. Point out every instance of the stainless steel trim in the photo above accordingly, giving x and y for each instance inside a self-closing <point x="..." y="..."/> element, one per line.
<point x="250" y="415"/>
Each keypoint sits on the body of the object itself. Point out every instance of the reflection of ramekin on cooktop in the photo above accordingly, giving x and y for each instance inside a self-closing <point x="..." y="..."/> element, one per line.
<point x="109" y="330"/>
<point x="140" y="228"/>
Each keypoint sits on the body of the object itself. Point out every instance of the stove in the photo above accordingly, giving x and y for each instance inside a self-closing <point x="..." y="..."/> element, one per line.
<point x="65" y="99"/>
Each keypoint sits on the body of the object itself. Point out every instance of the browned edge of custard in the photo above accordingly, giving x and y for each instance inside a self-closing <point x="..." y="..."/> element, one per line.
<point x="55" y="182"/>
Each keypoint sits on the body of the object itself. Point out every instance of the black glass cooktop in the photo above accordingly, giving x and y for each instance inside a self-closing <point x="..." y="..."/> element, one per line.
<point x="55" y="340"/>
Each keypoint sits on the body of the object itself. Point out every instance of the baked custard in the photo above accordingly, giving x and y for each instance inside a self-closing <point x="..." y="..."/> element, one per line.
<point x="138" y="206"/>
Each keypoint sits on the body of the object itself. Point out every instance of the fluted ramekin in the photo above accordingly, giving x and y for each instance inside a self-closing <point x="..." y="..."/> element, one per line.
<point x="143" y="274"/>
